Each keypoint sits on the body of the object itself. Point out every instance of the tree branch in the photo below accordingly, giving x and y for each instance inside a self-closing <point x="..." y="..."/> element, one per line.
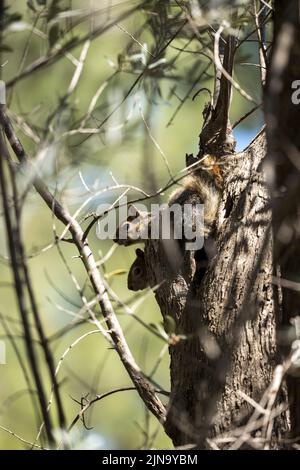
<point x="144" y="388"/>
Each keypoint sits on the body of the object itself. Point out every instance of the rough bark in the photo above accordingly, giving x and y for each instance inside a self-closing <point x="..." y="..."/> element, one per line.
<point x="224" y="350"/>
<point x="283" y="136"/>
<point x="229" y="317"/>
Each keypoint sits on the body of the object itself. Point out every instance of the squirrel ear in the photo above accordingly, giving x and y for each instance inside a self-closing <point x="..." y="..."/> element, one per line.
<point x="190" y="159"/>
<point x="133" y="212"/>
<point x="139" y="252"/>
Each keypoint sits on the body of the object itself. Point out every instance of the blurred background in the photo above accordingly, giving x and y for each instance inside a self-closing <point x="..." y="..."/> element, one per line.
<point x="160" y="109"/>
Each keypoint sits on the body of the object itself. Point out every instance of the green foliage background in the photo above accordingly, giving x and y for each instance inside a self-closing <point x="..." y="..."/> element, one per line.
<point x="129" y="155"/>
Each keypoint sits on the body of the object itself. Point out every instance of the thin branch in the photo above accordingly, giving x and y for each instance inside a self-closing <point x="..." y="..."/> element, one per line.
<point x="156" y="144"/>
<point x="36" y="315"/>
<point x="21" y="438"/>
<point x="45" y="61"/>
<point x="100" y="397"/>
<point x="260" y="29"/>
<point x="22" y="363"/>
<point x="224" y="72"/>
<point x="79" y="68"/>
<point x="137" y="80"/>
<point x="13" y="245"/>
<point x="145" y="390"/>
<point x="242" y="118"/>
<point x="58" y="368"/>
<point x="183" y="100"/>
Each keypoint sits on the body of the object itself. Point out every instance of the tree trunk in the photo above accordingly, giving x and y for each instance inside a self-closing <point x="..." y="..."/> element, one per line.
<point x="283" y="118"/>
<point x="229" y="317"/>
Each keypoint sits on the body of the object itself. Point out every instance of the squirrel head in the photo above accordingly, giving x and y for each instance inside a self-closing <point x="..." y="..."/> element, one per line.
<point x="137" y="276"/>
<point x="134" y="229"/>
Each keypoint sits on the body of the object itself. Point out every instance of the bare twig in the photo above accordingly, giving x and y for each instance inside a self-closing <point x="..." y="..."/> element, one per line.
<point x="53" y="57"/>
<point x="260" y="27"/>
<point x="142" y="385"/>
<point x="100" y="397"/>
<point x="13" y="244"/>
<point x="12" y="433"/>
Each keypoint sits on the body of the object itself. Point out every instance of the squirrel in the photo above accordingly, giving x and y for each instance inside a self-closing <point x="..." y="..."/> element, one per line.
<point x="200" y="187"/>
<point x="137" y="276"/>
<point x="203" y="186"/>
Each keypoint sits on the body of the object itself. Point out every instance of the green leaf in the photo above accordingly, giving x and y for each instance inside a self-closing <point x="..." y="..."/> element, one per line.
<point x="53" y="35"/>
<point x="116" y="272"/>
<point x="30" y="5"/>
<point x="54" y="9"/>
<point x="13" y="17"/>
<point x="5" y="48"/>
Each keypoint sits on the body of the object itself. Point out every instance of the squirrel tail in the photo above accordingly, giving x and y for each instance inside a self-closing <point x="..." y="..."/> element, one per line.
<point x="209" y="195"/>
